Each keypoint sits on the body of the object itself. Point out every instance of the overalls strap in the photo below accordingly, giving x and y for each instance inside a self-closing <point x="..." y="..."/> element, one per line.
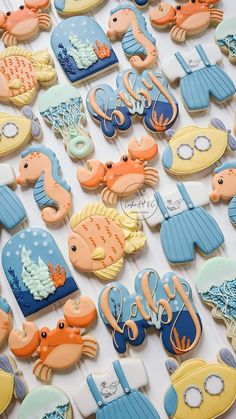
<point x="203" y="55"/>
<point x="94" y="390"/>
<point x="121" y="376"/>
<point x="185" y="195"/>
<point x="183" y="63"/>
<point x="161" y="205"/>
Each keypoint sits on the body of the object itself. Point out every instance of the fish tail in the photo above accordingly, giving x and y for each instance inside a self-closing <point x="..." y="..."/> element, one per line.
<point x="134" y="241"/>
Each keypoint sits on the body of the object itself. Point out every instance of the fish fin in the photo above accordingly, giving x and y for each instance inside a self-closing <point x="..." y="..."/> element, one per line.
<point x="129" y="221"/>
<point x="134" y="241"/>
<point x="110" y="272"/>
<point x="99" y="253"/>
<point x="45" y="74"/>
<point x="24" y="98"/>
<point x="93" y="209"/>
<point x="15" y="84"/>
<point x="226" y="357"/>
<point x="41" y="57"/>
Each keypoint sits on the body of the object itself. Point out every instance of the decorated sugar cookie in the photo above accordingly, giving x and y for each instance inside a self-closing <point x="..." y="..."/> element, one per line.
<point x="12" y="211"/>
<point x="116" y="390"/>
<point x="164" y="304"/>
<point x="123" y="178"/>
<point x="225" y="36"/>
<point x="36" y="271"/>
<point x="39" y="166"/>
<point x="82" y="48"/>
<point x="62" y="347"/>
<point x="5" y="320"/>
<point x="22" y="72"/>
<point x="187" y="19"/>
<point x="62" y="107"/>
<point x="144" y="95"/>
<point x="101" y="237"/>
<point x="128" y="24"/>
<point x="184" y="223"/>
<point x="75" y="7"/>
<point x="46" y="402"/>
<point x="224" y="187"/>
<point x="200" y="76"/>
<point x="192" y="149"/>
<point x="24" y="23"/>
<point x="216" y="284"/>
<point x="201" y="389"/>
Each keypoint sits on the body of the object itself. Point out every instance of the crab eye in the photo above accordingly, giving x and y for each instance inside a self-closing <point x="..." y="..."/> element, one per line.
<point x="220" y="181"/>
<point x="8" y="13"/>
<point x="21" y="7"/>
<point x="125" y="158"/>
<point x="26" y="165"/>
<point x="193" y="1"/>
<point x="178" y="7"/>
<point x="73" y="248"/>
<point x="61" y="325"/>
<point x="44" y="335"/>
<point x="114" y="19"/>
<point x="109" y="165"/>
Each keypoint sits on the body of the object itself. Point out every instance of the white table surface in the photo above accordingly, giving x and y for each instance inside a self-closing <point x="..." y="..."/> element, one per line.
<point x="152" y="352"/>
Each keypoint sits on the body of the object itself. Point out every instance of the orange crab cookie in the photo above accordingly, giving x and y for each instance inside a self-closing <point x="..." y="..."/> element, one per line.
<point x="123" y="178"/>
<point x="62" y="347"/>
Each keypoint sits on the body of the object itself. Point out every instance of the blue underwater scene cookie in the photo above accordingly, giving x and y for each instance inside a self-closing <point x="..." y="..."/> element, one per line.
<point x="82" y="48"/>
<point x="36" y="271"/>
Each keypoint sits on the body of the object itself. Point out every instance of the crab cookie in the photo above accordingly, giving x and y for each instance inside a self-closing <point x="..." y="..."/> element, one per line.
<point x="216" y="283"/>
<point x="225" y="36"/>
<point x="12" y="383"/>
<point x="101" y="237"/>
<point x="25" y="22"/>
<point x="163" y="304"/>
<point x="62" y="107"/>
<point x="5" y="320"/>
<point x="39" y="166"/>
<point x="201" y="389"/>
<point x="146" y="95"/>
<point x="128" y="24"/>
<point x="116" y="390"/>
<point x="62" y="347"/>
<point x="192" y="149"/>
<point x="184" y="223"/>
<point x="188" y="19"/>
<point x="75" y="7"/>
<point x="82" y="53"/>
<point x="200" y="76"/>
<point x="124" y="178"/>
<point x="36" y="271"/>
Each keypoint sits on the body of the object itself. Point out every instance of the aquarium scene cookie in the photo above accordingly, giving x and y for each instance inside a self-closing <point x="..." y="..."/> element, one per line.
<point x="163" y="304"/>
<point x="116" y="390"/>
<point x="60" y="348"/>
<point x="5" y="320"/>
<point x="225" y="36"/>
<point x="75" y="7"/>
<point x="82" y="48"/>
<point x="62" y="107"/>
<point x="36" y="271"/>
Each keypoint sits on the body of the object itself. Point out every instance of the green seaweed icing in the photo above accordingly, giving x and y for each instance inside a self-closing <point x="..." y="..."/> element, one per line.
<point x="230" y="43"/>
<point x="59" y="413"/>
<point x="223" y="296"/>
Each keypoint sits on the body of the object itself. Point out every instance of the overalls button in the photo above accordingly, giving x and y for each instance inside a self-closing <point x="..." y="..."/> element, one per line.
<point x="127" y="390"/>
<point x="166" y="216"/>
<point x="99" y="403"/>
<point x="190" y="206"/>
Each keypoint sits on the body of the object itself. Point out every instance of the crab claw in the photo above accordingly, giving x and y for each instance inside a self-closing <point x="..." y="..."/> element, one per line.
<point x="24" y="342"/>
<point x="3" y="19"/>
<point x="37" y="4"/>
<point x="92" y="176"/>
<point x="80" y="313"/>
<point x="145" y="149"/>
<point x="162" y="15"/>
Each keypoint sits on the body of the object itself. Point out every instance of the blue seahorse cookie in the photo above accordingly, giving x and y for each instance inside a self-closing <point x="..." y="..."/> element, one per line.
<point x="36" y="270"/>
<point x="82" y="48"/>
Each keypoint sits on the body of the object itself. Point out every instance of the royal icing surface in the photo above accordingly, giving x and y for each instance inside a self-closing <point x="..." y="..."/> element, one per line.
<point x="184" y="223"/>
<point x="36" y="271"/>
<point x="192" y="149"/>
<point x="62" y="347"/>
<point x="101" y="237"/>
<point x="200" y="76"/>
<point x="164" y="304"/>
<point x="39" y="166"/>
<point x="123" y="178"/>
<point x="82" y="53"/>
<point x="225" y="36"/>
<point x="128" y="24"/>
<point x="5" y="320"/>
<point x="146" y="95"/>
<point x="75" y="7"/>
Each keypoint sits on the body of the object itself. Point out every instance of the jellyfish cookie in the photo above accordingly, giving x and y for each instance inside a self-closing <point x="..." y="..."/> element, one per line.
<point x="201" y="389"/>
<point x="5" y="320"/>
<point x="128" y="24"/>
<point x="74" y="7"/>
<point x="62" y="107"/>
<point x="84" y="53"/>
<point x="225" y="36"/>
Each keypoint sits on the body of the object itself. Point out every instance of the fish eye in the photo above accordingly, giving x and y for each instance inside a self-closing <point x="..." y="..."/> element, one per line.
<point x="44" y="335"/>
<point x="21" y="7"/>
<point x="73" y="248"/>
<point x="193" y="396"/>
<point x="26" y="165"/>
<point x="220" y="181"/>
<point x="8" y="14"/>
<point x="178" y="7"/>
<point x="61" y="325"/>
<point x="109" y="165"/>
<point x="125" y="158"/>
<point x="114" y="19"/>
<point x="193" y="1"/>
<point x="214" y="385"/>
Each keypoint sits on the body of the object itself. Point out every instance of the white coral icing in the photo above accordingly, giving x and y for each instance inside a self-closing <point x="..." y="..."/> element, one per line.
<point x="83" y="52"/>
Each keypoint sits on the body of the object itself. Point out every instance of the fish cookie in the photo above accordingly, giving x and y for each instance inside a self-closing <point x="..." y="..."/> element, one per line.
<point x="12" y="211"/>
<point x="5" y="320"/>
<point x="62" y="347"/>
<point x="184" y="223"/>
<point x="12" y="383"/>
<point x="84" y="53"/>
<point x="216" y="284"/>
<point x="123" y="178"/>
<point x="225" y="36"/>
<point x="24" y="23"/>
<point x="162" y="304"/>
<point x="116" y="390"/>
<point x="201" y="389"/>
<point x="101" y="237"/>
<point x="128" y="24"/>
<point x="75" y="7"/>
<point x="22" y="72"/>
<point x="200" y="76"/>
<point x="188" y="19"/>
<point x="62" y="107"/>
<point x="36" y="271"/>
<point x="192" y="149"/>
<point x="39" y="166"/>
<point x="46" y="402"/>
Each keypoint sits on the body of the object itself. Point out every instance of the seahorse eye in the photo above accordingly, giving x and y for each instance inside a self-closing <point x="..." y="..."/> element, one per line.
<point x="178" y="7"/>
<point x="73" y="248"/>
<point x="125" y="158"/>
<point x="44" y="335"/>
<point x="61" y="325"/>
<point x="115" y="19"/>
<point x="26" y="165"/>
<point x="21" y="7"/>
<point x="109" y="165"/>
<point x="220" y="181"/>
<point x="8" y="13"/>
